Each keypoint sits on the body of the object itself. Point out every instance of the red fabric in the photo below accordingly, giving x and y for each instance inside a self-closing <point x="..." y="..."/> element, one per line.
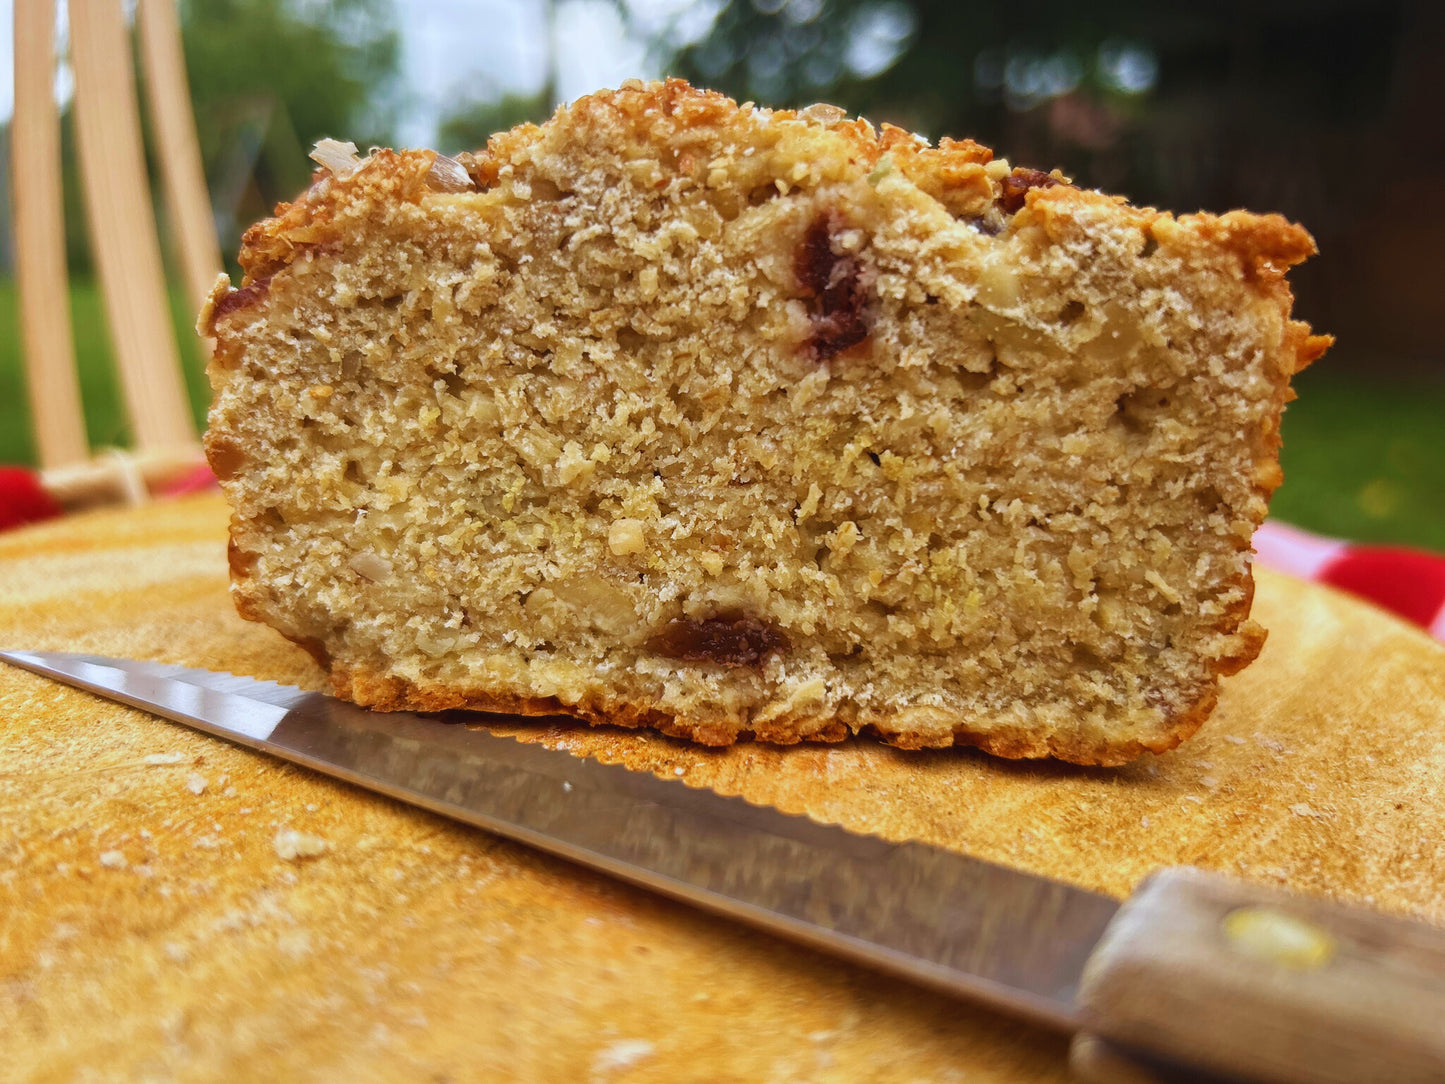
<point x="195" y="480"/>
<point x="23" y="499"/>
<point x="1410" y="583"/>
<point x="1406" y="581"/>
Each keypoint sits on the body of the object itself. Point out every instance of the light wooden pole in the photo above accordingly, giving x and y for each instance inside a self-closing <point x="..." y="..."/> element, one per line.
<point x="51" y="385"/>
<point x="168" y="96"/>
<point x="124" y="240"/>
<point x="123" y="228"/>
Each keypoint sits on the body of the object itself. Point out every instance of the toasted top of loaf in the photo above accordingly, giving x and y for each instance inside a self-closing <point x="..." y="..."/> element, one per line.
<point x="728" y="421"/>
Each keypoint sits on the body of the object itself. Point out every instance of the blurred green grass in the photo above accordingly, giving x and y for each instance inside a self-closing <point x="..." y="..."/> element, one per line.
<point x="1364" y="454"/>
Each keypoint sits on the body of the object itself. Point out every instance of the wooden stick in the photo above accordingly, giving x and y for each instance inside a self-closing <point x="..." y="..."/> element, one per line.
<point x="123" y="227"/>
<point x="116" y="476"/>
<point x="168" y="96"/>
<point x="56" y="416"/>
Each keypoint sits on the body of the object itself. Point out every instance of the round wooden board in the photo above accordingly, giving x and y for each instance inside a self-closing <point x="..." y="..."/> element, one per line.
<point x="152" y="931"/>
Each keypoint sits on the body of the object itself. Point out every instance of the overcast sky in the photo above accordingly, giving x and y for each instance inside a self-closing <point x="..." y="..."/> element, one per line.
<point x="455" y="50"/>
<point x="458" y="50"/>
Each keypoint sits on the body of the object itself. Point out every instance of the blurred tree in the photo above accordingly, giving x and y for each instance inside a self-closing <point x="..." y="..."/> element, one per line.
<point x="467" y="127"/>
<point x="999" y="72"/>
<point x="270" y="77"/>
<point x="1264" y="104"/>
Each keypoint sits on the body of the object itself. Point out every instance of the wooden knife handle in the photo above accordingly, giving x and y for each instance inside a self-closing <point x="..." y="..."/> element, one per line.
<point x="1260" y="984"/>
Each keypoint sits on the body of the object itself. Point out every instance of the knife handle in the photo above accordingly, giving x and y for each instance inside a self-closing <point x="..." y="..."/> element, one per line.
<point x="1259" y="984"/>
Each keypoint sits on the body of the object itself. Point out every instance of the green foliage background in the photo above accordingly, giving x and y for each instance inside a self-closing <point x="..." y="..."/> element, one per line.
<point x="270" y="77"/>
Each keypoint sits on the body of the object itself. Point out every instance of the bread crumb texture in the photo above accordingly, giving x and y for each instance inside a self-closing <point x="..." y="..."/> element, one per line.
<point x="732" y="422"/>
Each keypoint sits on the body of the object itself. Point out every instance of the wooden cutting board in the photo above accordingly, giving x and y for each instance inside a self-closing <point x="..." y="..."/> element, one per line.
<point x="151" y="929"/>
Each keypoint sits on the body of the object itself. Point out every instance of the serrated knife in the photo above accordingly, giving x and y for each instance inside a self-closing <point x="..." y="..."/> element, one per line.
<point x="1195" y="977"/>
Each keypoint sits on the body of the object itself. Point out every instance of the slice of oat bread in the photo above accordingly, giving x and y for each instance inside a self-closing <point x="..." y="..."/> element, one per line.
<point x="732" y="422"/>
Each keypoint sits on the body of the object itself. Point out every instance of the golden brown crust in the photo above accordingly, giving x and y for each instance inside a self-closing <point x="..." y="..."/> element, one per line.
<point x="386" y="692"/>
<point x="962" y="178"/>
<point x="953" y="172"/>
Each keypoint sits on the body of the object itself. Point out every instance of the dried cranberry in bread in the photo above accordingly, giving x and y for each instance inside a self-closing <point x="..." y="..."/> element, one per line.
<point x="727" y="422"/>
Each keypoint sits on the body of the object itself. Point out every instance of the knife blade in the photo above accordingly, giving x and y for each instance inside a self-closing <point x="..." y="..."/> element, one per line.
<point x="1056" y="954"/>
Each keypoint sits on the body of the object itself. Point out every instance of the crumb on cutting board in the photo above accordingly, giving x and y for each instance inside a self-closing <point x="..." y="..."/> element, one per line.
<point x="293" y="845"/>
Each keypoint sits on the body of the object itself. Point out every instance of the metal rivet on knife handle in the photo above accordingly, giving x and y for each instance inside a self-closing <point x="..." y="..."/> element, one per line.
<point x="1265" y="985"/>
<point x="1276" y="936"/>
